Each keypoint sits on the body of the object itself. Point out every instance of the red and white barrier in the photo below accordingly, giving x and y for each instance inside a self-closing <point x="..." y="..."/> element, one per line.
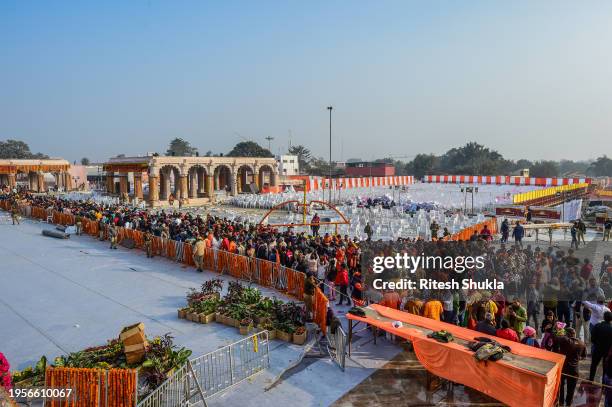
<point x="321" y="183"/>
<point x="502" y="180"/>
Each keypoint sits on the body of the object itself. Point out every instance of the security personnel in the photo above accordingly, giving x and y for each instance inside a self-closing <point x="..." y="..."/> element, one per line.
<point x="148" y="244"/>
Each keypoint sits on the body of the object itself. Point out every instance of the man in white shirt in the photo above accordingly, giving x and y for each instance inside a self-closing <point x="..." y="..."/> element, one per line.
<point x="597" y="310"/>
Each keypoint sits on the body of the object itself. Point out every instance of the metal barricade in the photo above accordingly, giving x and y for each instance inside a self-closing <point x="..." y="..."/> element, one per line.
<point x="336" y="346"/>
<point x="212" y="373"/>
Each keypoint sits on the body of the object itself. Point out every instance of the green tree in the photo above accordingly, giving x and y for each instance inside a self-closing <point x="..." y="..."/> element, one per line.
<point x="422" y="164"/>
<point x="17" y="149"/>
<point x="544" y="169"/>
<point x="249" y="149"/>
<point x="474" y="159"/>
<point x="602" y="167"/>
<point x="303" y="154"/>
<point x="84" y="161"/>
<point x="181" y="148"/>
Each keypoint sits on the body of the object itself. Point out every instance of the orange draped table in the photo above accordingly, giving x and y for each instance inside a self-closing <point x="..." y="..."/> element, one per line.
<point x="526" y="376"/>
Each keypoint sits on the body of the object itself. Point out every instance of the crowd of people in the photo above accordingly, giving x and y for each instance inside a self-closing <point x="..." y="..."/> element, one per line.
<point x="552" y="298"/>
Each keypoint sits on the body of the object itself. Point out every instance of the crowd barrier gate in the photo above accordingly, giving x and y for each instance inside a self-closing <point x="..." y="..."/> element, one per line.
<point x="209" y="374"/>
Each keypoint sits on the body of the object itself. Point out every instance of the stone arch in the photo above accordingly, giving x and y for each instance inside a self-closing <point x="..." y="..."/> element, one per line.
<point x="223" y="177"/>
<point x="197" y="181"/>
<point x="245" y="175"/>
<point x="169" y="181"/>
<point x="266" y="176"/>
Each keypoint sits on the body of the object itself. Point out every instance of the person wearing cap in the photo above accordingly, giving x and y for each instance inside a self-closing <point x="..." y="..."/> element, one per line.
<point x="198" y="253"/>
<point x="516" y="315"/>
<point x="529" y="338"/>
<point x="574" y="350"/>
<point x="487" y="325"/>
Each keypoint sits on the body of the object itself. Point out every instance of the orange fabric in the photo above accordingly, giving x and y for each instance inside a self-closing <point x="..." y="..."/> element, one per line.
<point x="320" y="310"/>
<point x="91" y="387"/>
<point x="500" y="380"/>
<point x="465" y="234"/>
<point x="265" y="273"/>
<point x="188" y="254"/>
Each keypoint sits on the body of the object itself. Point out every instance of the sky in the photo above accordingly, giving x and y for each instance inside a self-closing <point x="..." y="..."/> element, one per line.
<point x="530" y="79"/>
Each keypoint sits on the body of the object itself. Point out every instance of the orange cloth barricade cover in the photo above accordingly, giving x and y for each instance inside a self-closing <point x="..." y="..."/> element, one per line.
<point x="527" y="376"/>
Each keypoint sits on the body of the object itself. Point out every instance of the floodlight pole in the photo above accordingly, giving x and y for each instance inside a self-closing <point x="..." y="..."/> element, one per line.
<point x="330" y="108"/>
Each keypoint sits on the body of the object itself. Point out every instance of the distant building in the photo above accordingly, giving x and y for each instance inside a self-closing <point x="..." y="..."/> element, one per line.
<point x="288" y="165"/>
<point x="367" y="169"/>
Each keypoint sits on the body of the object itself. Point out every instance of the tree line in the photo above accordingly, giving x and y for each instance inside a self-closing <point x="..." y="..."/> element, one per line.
<point x="470" y="159"/>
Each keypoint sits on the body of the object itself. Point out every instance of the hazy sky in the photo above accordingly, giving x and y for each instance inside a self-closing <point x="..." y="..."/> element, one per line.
<point x="531" y="79"/>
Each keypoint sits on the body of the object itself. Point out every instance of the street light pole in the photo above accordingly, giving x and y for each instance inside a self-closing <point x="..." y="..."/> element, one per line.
<point x="330" y="108"/>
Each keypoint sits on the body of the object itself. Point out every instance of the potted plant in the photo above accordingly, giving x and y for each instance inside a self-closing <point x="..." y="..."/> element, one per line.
<point x="299" y="335"/>
<point x="268" y="326"/>
<point x="182" y="313"/>
<point x="284" y="331"/>
<point x="245" y="326"/>
<point x="193" y="315"/>
<point x="207" y="310"/>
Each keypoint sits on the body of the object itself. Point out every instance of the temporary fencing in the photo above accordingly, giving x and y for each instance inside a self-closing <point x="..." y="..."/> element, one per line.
<point x="502" y="180"/>
<point x="550" y="196"/>
<point x="93" y="387"/>
<point x="336" y="346"/>
<point x="212" y="373"/>
<point x="466" y="234"/>
<point x="258" y="271"/>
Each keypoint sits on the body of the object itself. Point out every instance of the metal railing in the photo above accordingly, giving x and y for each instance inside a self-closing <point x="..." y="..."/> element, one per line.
<point x="212" y="373"/>
<point x="336" y="346"/>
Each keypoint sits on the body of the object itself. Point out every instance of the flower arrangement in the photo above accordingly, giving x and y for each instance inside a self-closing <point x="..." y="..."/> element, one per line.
<point x="246" y="322"/>
<point x="5" y="376"/>
<point x="161" y="357"/>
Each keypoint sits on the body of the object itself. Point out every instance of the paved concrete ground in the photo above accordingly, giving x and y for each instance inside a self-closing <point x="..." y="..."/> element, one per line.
<point x="60" y="296"/>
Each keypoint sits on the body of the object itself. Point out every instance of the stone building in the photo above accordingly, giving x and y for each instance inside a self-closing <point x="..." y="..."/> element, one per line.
<point x="193" y="179"/>
<point x="31" y="173"/>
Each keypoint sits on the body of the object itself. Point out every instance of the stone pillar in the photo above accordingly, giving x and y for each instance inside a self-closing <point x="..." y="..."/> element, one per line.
<point x="256" y="176"/>
<point x="33" y="180"/>
<point x="138" y="185"/>
<point x="123" y="184"/>
<point x="273" y="179"/>
<point x="68" y="182"/>
<point x="12" y="180"/>
<point x="183" y="188"/>
<point x="193" y="185"/>
<point x="163" y="185"/>
<point x="41" y="181"/>
<point x="202" y="180"/>
<point x="153" y="190"/>
<point x="110" y="182"/>
<point x="234" y="184"/>
<point x="209" y="187"/>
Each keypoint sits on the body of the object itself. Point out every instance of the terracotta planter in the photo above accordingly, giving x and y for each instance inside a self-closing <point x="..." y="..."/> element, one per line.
<point x="207" y="319"/>
<point x="299" y="339"/>
<point x="182" y="313"/>
<point x="244" y="330"/>
<point x="271" y="334"/>
<point x="219" y="318"/>
<point x="283" y="336"/>
<point x="193" y="316"/>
